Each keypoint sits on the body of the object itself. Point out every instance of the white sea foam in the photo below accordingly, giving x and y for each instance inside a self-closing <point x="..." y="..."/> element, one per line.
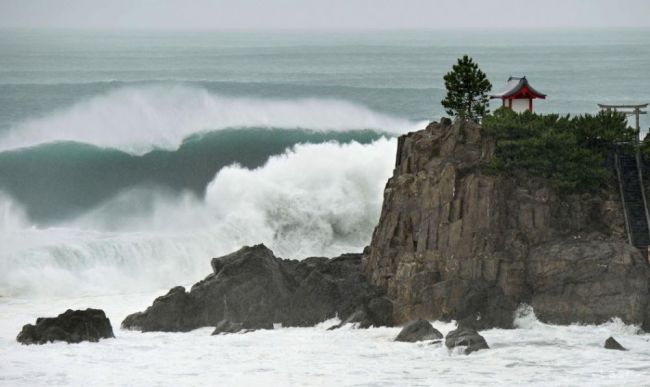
<point x="316" y="199"/>
<point x="140" y="119"/>
<point x="539" y="356"/>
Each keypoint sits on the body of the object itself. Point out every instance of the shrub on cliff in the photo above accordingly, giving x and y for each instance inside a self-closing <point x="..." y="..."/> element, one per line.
<point x="467" y="88"/>
<point x="569" y="151"/>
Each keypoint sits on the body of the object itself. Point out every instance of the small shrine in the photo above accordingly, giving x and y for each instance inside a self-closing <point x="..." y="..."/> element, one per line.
<point x="518" y="95"/>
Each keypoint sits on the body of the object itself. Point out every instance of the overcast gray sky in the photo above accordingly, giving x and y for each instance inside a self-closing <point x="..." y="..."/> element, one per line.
<point x="323" y="14"/>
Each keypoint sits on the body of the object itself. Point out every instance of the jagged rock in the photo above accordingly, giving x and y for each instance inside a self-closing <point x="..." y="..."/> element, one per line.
<point x="376" y="313"/>
<point x="253" y="287"/>
<point x="456" y="243"/>
<point x="610" y="343"/>
<point x="327" y="287"/>
<point x="465" y="337"/>
<point x="418" y="330"/>
<point x="166" y="313"/>
<point x="227" y="326"/>
<point x="73" y="326"/>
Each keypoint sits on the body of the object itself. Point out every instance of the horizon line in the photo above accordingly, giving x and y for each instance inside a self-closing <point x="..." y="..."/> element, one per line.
<point x="367" y="29"/>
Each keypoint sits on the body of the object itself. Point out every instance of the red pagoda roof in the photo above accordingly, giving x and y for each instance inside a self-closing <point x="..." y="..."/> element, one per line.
<point x="518" y="88"/>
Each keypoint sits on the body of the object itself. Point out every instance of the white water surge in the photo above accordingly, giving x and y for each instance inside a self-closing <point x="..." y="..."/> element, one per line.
<point x="535" y="354"/>
<point x="316" y="199"/>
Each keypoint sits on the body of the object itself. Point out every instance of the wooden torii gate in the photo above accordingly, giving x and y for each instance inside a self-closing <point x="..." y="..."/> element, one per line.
<point x="628" y="110"/>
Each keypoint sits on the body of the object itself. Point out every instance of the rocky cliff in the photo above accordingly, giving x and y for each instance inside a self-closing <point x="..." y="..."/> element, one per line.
<point x="456" y="243"/>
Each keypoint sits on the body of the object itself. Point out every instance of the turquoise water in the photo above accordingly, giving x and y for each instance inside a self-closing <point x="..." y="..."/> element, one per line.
<point x="134" y="92"/>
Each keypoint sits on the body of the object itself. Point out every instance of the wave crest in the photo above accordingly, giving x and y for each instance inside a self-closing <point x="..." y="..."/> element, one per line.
<point x="138" y="120"/>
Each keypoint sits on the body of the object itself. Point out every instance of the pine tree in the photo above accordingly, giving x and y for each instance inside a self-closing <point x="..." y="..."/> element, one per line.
<point x="467" y="88"/>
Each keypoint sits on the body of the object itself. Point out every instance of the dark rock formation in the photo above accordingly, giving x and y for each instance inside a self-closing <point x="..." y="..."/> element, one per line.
<point x="377" y="312"/>
<point x="465" y="337"/>
<point x="589" y="281"/>
<point x="227" y="326"/>
<point x="613" y="344"/>
<point x="254" y="288"/>
<point x="418" y="330"/>
<point x="454" y="242"/>
<point x="73" y="326"/>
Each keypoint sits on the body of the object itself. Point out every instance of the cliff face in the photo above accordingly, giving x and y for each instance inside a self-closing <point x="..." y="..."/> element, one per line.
<point x="455" y="243"/>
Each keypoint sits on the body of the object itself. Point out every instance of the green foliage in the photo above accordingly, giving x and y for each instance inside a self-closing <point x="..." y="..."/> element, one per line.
<point x="569" y="151"/>
<point x="467" y="88"/>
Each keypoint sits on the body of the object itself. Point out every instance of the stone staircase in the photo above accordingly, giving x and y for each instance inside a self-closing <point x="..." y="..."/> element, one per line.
<point x="633" y="201"/>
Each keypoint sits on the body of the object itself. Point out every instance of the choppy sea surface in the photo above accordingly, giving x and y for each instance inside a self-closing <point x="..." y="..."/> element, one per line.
<point x="534" y="354"/>
<point x="129" y="159"/>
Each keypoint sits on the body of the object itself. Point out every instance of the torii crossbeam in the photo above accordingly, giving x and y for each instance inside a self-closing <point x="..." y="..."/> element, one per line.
<point x="628" y="110"/>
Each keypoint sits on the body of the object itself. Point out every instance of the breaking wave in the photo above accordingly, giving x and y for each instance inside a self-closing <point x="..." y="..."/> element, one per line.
<point x="315" y="199"/>
<point x="138" y="120"/>
<point x="57" y="182"/>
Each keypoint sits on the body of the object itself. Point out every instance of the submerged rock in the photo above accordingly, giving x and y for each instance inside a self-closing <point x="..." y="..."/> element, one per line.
<point x="227" y="326"/>
<point x="610" y="343"/>
<point x="73" y="326"/>
<point x="456" y="243"/>
<point x="254" y="288"/>
<point x="418" y="330"/>
<point x="357" y="317"/>
<point x="465" y="337"/>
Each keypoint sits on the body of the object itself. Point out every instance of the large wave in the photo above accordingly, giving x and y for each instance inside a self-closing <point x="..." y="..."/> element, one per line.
<point x="59" y="181"/>
<point x="316" y="199"/>
<point x="138" y="120"/>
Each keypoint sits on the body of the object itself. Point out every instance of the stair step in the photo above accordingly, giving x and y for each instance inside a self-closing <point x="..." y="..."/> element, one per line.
<point x="633" y="201"/>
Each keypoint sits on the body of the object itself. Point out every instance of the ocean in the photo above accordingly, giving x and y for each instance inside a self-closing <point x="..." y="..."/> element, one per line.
<point x="129" y="158"/>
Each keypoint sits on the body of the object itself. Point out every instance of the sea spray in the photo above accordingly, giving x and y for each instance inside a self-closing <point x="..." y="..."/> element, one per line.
<point x="316" y="199"/>
<point x="12" y="214"/>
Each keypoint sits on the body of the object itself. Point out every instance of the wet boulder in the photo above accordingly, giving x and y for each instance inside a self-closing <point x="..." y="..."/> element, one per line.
<point x="467" y="338"/>
<point x="378" y="312"/>
<point x="418" y="330"/>
<point x="611" y="343"/>
<point x="227" y="326"/>
<point x="167" y="313"/>
<point x="73" y="326"/>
